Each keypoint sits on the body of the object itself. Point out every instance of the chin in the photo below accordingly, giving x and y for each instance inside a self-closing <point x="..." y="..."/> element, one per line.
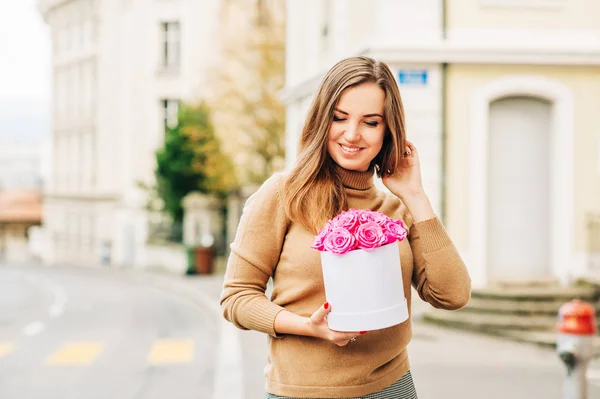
<point x="354" y="166"/>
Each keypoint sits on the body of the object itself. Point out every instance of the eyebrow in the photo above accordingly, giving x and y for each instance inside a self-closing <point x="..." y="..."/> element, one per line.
<point x="366" y="116"/>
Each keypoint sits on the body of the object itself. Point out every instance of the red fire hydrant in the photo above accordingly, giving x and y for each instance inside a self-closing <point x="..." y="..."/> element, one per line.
<point x="576" y="328"/>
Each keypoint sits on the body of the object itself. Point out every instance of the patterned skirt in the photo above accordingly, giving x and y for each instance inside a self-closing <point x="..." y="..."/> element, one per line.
<point x="404" y="388"/>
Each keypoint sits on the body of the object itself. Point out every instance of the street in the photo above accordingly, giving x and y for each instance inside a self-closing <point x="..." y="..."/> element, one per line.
<point x="73" y="335"/>
<point x="103" y="333"/>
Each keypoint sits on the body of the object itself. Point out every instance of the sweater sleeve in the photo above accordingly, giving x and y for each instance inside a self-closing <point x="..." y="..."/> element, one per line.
<point x="254" y="255"/>
<point x="440" y="275"/>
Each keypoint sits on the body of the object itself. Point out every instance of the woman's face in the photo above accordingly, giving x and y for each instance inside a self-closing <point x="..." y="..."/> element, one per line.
<point x="356" y="134"/>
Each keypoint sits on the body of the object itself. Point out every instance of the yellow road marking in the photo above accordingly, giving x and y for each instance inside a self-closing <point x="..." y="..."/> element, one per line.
<point x="76" y="353"/>
<point x="6" y="348"/>
<point x="166" y="351"/>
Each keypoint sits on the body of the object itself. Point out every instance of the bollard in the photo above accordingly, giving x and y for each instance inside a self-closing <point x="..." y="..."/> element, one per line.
<point x="576" y="327"/>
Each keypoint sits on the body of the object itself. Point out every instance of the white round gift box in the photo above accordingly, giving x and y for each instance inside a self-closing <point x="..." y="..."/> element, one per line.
<point x="364" y="288"/>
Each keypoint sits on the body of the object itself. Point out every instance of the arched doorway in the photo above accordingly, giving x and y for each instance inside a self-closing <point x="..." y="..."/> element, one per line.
<point x="518" y="189"/>
<point x="563" y="260"/>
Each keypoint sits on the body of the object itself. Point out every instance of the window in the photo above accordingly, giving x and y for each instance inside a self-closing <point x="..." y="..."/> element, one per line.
<point x="326" y="19"/>
<point x="170" y="110"/>
<point x="88" y="33"/>
<point x="170" y="46"/>
<point x="325" y="31"/>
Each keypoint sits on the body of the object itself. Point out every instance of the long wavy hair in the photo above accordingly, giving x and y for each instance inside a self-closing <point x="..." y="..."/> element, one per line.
<point x="313" y="190"/>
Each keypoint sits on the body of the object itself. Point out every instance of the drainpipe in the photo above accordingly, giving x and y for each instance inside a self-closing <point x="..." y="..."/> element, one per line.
<point x="444" y="166"/>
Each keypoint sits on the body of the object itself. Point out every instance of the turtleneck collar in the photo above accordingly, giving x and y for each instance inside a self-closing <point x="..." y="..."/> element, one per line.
<point x="356" y="180"/>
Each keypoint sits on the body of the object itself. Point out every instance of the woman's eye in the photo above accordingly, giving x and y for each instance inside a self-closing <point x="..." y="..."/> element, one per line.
<point x="337" y="118"/>
<point x="372" y="124"/>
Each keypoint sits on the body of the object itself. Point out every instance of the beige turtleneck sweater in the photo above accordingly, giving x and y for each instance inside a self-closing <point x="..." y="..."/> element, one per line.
<point x="267" y="245"/>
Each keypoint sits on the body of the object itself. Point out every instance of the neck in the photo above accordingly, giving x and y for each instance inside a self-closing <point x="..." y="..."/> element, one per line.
<point x="355" y="179"/>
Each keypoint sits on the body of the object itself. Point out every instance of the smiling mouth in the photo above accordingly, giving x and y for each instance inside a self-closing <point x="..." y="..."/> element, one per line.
<point x="350" y="150"/>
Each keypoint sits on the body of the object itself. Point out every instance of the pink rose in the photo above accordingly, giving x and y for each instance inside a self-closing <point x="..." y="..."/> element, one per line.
<point x="320" y="238"/>
<point x="339" y="241"/>
<point x="370" y="235"/>
<point x="372" y="216"/>
<point x="394" y="231"/>
<point x="347" y="220"/>
<point x="366" y="216"/>
<point x="380" y="218"/>
<point x="358" y="229"/>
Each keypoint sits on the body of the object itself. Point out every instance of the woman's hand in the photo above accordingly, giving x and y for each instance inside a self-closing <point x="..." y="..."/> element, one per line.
<point x="318" y="324"/>
<point x="406" y="182"/>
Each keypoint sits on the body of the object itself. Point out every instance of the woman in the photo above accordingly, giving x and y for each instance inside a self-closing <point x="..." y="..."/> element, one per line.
<point x="354" y="129"/>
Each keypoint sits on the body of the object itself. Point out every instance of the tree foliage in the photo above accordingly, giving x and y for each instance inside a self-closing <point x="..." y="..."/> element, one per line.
<point x="248" y="90"/>
<point x="191" y="160"/>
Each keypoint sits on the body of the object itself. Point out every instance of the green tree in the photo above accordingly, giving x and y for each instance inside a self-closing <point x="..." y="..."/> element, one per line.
<point x="191" y="160"/>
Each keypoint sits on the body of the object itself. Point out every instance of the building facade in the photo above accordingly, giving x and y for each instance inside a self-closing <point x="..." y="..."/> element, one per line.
<point x="500" y="99"/>
<point x="120" y="71"/>
<point x="22" y="166"/>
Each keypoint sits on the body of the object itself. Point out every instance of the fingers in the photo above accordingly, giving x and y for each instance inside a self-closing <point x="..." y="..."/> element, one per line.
<point x="410" y="149"/>
<point x="340" y="338"/>
<point x="343" y="339"/>
<point x="321" y="313"/>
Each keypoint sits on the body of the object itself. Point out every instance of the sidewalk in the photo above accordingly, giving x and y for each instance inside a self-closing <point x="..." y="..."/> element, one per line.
<point x="445" y="363"/>
<point x="253" y="345"/>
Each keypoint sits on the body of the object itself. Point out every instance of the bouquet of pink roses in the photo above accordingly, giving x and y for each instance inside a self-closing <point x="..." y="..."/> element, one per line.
<point x="358" y="229"/>
<point x="359" y="253"/>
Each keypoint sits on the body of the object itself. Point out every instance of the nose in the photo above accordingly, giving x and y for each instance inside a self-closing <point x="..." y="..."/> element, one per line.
<point x="352" y="134"/>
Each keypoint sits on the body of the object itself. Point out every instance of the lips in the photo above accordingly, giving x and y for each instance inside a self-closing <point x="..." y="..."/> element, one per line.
<point x="350" y="150"/>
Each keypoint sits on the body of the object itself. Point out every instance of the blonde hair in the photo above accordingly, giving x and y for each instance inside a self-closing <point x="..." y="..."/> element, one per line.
<point x="313" y="191"/>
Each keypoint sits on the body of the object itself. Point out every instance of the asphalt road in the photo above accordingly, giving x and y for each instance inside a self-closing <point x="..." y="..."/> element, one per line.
<point x="77" y="335"/>
<point x="101" y="333"/>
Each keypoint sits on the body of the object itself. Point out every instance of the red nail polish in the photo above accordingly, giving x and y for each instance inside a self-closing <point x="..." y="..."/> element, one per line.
<point x="362" y="332"/>
<point x="326" y="305"/>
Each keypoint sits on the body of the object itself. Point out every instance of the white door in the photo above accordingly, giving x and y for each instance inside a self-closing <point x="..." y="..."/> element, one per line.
<point x="518" y="208"/>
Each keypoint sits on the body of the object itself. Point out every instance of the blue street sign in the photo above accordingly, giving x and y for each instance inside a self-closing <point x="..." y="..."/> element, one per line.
<point x="416" y="77"/>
